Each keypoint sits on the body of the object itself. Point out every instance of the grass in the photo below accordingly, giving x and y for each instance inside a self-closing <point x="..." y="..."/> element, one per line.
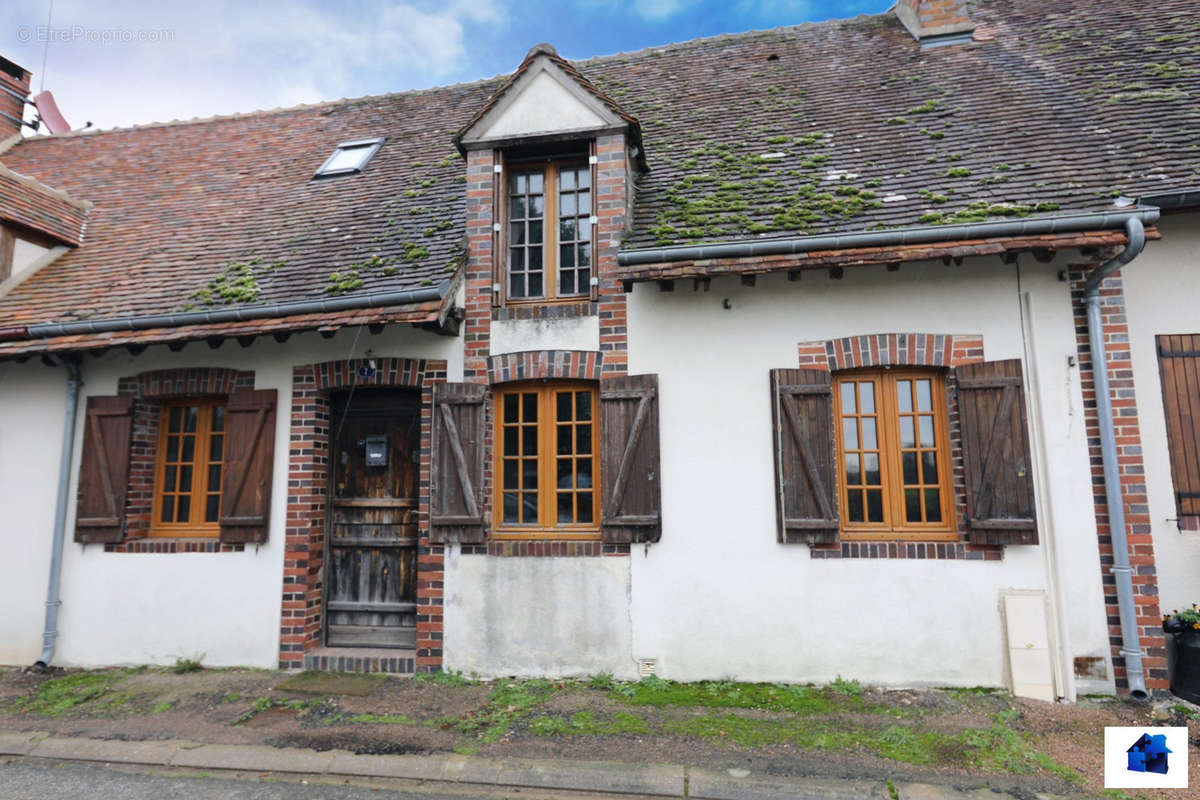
<point x="443" y="678"/>
<point x="840" y="695"/>
<point x="183" y="666"/>
<point x="508" y="703"/>
<point x="58" y="695"/>
<point x="588" y="723"/>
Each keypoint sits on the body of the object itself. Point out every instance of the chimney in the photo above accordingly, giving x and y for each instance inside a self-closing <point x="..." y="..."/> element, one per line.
<point x="14" y="89"/>
<point x="934" y="22"/>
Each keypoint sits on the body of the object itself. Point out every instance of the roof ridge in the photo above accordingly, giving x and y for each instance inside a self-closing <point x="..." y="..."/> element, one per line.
<point x="236" y="115"/>
<point x="36" y="185"/>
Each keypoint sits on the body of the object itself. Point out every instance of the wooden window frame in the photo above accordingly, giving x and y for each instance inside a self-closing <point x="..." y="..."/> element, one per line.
<point x="200" y="465"/>
<point x="550" y="218"/>
<point x="547" y="488"/>
<point x="888" y="433"/>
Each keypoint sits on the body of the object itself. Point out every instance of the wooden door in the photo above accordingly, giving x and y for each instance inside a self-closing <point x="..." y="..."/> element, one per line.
<point x="370" y="596"/>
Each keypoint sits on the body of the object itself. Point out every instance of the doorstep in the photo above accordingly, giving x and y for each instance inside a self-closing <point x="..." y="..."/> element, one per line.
<point x="361" y="659"/>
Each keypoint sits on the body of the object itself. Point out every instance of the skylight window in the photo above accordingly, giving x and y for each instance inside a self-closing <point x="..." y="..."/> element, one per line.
<point x="349" y="157"/>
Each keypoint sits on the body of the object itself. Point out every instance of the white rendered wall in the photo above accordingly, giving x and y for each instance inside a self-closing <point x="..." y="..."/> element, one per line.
<point x="543" y="106"/>
<point x="570" y="333"/>
<point x="718" y="596"/>
<point x="1162" y="292"/>
<point x="130" y="608"/>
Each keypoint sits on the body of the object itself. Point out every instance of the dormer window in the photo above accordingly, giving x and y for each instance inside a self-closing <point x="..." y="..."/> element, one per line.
<point x="349" y="158"/>
<point x="550" y="231"/>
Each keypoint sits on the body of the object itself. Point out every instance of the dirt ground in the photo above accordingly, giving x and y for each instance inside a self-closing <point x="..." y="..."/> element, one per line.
<point x="961" y="737"/>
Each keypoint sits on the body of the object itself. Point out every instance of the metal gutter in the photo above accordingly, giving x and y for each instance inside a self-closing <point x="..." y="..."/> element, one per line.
<point x="928" y="234"/>
<point x="1183" y="198"/>
<point x="1122" y="573"/>
<point x="50" y="631"/>
<point x="377" y="300"/>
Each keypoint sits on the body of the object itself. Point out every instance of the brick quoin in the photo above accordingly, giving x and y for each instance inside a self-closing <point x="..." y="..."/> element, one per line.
<point x="307" y="492"/>
<point x="912" y="350"/>
<point x="1132" y="474"/>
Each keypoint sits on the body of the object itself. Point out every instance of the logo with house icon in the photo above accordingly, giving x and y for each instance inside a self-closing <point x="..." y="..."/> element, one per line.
<point x="1149" y="754"/>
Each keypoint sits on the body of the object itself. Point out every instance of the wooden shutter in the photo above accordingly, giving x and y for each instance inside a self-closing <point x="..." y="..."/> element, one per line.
<point x="456" y="488"/>
<point x="995" y="445"/>
<point x="249" y="465"/>
<point x="631" y="504"/>
<point x="805" y="472"/>
<point x="1179" y="368"/>
<point x="104" y="470"/>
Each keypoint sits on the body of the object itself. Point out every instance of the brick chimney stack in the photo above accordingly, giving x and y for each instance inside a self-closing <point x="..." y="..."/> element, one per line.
<point x="927" y="19"/>
<point x="14" y="88"/>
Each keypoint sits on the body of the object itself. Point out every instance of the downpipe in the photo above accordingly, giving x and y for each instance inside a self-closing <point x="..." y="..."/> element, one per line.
<point x="50" y="631"/>
<point x="1122" y="572"/>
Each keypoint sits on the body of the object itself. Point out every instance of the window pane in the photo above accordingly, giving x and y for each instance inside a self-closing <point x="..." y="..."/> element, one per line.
<point x="933" y="506"/>
<point x="536" y="183"/>
<point x="168" y="508"/>
<point x="908" y="462"/>
<point x="850" y="434"/>
<point x="185" y="478"/>
<point x="510" y="507"/>
<point x="583" y="439"/>
<point x="868" y="433"/>
<point x="566" y="179"/>
<point x="214" y="478"/>
<point x="874" y="505"/>
<point x="853" y="470"/>
<point x="518" y="210"/>
<point x="912" y="505"/>
<point x="566" y="257"/>
<point x="529" y="509"/>
<point x="583" y="473"/>
<point x="566" y="511"/>
<point x="924" y="395"/>
<point x="516" y="236"/>
<point x="564" y="440"/>
<point x="169" y="480"/>
<point x="518" y="184"/>
<point x="584" y="175"/>
<point x="584" y="503"/>
<point x="566" y="205"/>
<point x="867" y="390"/>
<point x="172" y="448"/>
<point x="191" y="415"/>
<point x="218" y="419"/>
<point x="516" y="286"/>
<point x="908" y="436"/>
<point x="585" y="229"/>
<point x="927" y="431"/>
<point x="529" y="476"/>
<point x="510" y="408"/>
<point x="585" y="203"/>
<point x="216" y="448"/>
<point x="563" y="402"/>
<point x="184" y="509"/>
<point x="535" y="237"/>
<point x="535" y="279"/>
<point x="529" y="441"/>
<point x="566" y="280"/>
<point x="929" y="472"/>
<point x="510" y="441"/>
<point x="565" y="476"/>
<point x="848" y="406"/>
<point x="212" y="508"/>
<point x="511" y="471"/>
<point x="871" y="463"/>
<point x="529" y="401"/>
<point x="583" y="406"/>
<point x="175" y="420"/>
<point x="904" y="395"/>
<point x="854" y="506"/>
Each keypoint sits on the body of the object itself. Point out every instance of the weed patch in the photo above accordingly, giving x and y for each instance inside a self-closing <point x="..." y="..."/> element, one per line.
<point x="183" y="666"/>
<point x="587" y="723"/>
<point x="507" y="704"/>
<point x="59" y="695"/>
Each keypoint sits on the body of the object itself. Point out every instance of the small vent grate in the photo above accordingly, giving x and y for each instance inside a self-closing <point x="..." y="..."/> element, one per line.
<point x="647" y="667"/>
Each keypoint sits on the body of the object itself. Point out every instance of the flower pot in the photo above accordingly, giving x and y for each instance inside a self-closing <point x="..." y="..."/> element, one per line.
<point x="1185" y="672"/>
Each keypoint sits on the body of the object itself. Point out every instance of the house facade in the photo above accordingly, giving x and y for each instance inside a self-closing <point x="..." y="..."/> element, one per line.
<point x="766" y="356"/>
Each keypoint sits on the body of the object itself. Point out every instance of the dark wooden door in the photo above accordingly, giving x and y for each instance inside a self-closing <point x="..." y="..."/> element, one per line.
<point x="371" y="598"/>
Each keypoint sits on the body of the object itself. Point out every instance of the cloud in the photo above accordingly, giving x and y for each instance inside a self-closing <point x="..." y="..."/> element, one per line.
<point x="649" y="10"/>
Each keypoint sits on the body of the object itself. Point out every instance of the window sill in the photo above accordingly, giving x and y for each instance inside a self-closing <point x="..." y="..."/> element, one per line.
<point x="553" y="534"/>
<point x="164" y="545"/>
<point x="898" y="536"/>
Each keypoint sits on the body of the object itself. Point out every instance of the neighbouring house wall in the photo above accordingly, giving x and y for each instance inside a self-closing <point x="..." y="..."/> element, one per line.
<point x="718" y="596"/>
<point x="32" y="403"/>
<point x="138" y="607"/>
<point x="1162" y="294"/>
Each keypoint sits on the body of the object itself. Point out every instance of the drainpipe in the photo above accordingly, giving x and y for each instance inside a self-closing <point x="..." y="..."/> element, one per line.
<point x="1122" y="572"/>
<point x="50" y="632"/>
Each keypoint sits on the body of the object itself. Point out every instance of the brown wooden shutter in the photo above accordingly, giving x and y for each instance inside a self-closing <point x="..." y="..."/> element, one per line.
<point x="456" y="468"/>
<point x="805" y="475"/>
<point x="249" y="465"/>
<point x="1179" y="368"/>
<point x="104" y="470"/>
<point x="631" y="499"/>
<point x="995" y="445"/>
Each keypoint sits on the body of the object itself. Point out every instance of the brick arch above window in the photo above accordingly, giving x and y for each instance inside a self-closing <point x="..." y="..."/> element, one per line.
<point x="185" y="381"/>
<point x="416" y="372"/>
<point x="545" y="365"/>
<point x="892" y="349"/>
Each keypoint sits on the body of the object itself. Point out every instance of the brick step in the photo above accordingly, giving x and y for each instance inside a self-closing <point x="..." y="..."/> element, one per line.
<point x="361" y="659"/>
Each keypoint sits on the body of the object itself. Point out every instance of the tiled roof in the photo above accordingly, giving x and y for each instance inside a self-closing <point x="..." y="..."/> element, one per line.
<point x="219" y="213"/>
<point x="1055" y="107"/>
<point x="33" y="205"/>
<point x="1060" y="106"/>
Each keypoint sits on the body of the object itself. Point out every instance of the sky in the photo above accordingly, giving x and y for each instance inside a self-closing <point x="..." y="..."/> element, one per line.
<point x="123" y="63"/>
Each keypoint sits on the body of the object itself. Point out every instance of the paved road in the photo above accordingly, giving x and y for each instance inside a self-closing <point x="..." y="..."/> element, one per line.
<point x="24" y="780"/>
